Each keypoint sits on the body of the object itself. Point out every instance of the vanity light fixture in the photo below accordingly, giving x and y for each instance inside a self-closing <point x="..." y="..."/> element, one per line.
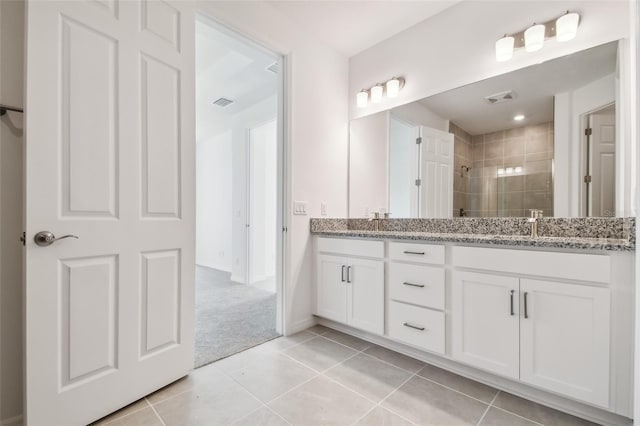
<point x="564" y="28"/>
<point x="362" y="98"/>
<point x="377" y="92"/>
<point x="519" y="117"/>
<point x="393" y="87"/>
<point x="504" y="48"/>
<point x="534" y="37"/>
<point x="567" y="26"/>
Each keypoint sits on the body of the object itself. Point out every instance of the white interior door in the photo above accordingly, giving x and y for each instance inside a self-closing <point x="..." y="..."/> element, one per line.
<point x="603" y="163"/>
<point x="436" y="173"/>
<point x="110" y="159"/>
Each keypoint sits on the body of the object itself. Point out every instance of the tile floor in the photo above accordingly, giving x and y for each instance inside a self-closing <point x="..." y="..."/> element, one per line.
<point x="324" y="377"/>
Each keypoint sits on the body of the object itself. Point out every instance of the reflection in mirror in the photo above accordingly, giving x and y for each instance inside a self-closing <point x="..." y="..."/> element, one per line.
<point x="498" y="147"/>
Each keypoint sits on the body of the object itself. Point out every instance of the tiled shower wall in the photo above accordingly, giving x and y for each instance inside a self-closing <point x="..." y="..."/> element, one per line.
<point x="490" y="194"/>
<point x="462" y="158"/>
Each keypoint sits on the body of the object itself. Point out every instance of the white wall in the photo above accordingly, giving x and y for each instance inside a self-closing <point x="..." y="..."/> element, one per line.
<point x="316" y="131"/>
<point x="369" y="165"/>
<point x="402" y="155"/>
<point x="456" y="47"/>
<point x="569" y="108"/>
<point x="263" y="187"/>
<point x="11" y="208"/>
<point x="213" y="202"/>
<point x="419" y="115"/>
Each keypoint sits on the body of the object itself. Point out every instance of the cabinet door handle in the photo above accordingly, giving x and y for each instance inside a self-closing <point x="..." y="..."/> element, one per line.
<point x="421" y="253"/>
<point x="413" y="285"/>
<point x="511" y="303"/>
<point x="348" y="274"/>
<point x="343" y="280"/>
<point x="416" y="327"/>
<point x="526" y="313"/>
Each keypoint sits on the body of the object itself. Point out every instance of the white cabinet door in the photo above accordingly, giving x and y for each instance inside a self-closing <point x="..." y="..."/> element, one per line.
<point x="485" y="321"/>
<point x="365" y="298"/>
<point x="564" y="339"/>
<point x="110" y="154"/>
<point x="331" y="288"/>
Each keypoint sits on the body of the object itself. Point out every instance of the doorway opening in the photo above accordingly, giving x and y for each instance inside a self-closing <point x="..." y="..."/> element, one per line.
<point x="599" y="162"/>
<point x="239" y="193"/>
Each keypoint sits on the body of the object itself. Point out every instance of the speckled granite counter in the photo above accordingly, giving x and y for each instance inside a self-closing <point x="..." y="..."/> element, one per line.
<point x="616" y="234"/>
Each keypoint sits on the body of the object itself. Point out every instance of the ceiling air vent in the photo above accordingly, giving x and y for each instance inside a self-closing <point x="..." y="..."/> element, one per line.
<point x="274" y="68"/>
<point x="509" y="95"/>
<point x="222" y="102"/>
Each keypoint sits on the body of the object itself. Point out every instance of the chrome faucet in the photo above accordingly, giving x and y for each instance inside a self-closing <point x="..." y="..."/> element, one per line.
<point x="533" y="220"/>
<point x="376" y="220"/>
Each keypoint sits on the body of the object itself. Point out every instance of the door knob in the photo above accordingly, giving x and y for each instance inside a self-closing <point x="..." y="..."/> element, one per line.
<point x="46" y="238"/>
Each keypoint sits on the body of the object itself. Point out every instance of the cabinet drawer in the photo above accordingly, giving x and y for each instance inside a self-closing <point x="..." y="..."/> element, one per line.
<point x="351" y="247"/>
<point x="416" y="326"/>
<point x="417" y="284"/>
<point x="413" y="252"/>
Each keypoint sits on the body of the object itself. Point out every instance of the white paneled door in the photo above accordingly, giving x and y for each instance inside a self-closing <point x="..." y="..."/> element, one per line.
<point x="109" y="159"/>
<point x="436" y="173"/>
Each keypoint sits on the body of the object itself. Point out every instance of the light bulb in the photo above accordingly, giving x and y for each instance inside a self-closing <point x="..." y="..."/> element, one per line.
<point x="376" y="94"/>
<point x="534" y="37"/>
<point x="567" y="26"/>
<point x="362" y="98"/>
<point x="519" y="117"/>
<point x="504" y="48"/>
<point x="393" y="87"/>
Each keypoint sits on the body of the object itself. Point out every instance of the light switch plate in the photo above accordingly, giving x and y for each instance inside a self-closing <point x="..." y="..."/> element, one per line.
<point x="300" y="207"/>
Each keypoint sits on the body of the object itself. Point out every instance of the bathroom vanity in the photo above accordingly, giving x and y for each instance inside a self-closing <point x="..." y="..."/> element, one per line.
<point x="547" y="318"/>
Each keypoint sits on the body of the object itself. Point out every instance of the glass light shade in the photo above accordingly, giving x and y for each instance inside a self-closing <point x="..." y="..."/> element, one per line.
<point x="376" y="93"/>
<point x="567" y="26"/>
<point x="504" y="49"/>
<point x="362" y="99"/>
<point x="393" y="87"/>
<point x="534" y="38"/>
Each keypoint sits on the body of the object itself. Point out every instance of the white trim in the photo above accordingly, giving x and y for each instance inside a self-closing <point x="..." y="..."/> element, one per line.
<point x="12" y="421"/>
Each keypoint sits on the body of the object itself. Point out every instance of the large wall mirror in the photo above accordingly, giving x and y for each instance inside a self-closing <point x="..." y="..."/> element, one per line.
<point x="498" y="147"/>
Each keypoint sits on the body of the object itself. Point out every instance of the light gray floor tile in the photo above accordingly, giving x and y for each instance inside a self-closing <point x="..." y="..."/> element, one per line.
<point x="144" y="417"/>
<point x="399" y="360"/>
<point x="321" y="402"/>
<point x="197" y="378"/>
<point x="426" y="403"/>
<point x="536" y="412"/>
<point x="319" y="353"/>
<point x="284" y="342"/>
<point x="347" y="340"/>
<point x="218" y="401"/>
<point x="262" y="417"/>
<point x="369" y="376"/>
<point x="497" y="417"/>
<point x="382" y="417"/>
<point x="461" y="384"/>
<point x="131" y="408"/>
<point x="271" y="376"/>
<point x="317" y="329"/>
<point x="245" y="358"/>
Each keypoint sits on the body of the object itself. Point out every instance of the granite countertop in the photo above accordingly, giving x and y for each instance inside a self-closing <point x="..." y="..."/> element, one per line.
<point x="615" y="234"/>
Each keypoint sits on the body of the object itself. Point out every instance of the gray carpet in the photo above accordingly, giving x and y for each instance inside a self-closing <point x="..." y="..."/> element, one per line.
<point x="230" y="317"/>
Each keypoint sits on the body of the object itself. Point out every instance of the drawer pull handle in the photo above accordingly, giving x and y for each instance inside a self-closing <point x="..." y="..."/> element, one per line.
<point x="421" y="253"/>
<point x="511" y="303"/>
<point x="526" y="311"/>
<point x="348" y="274"/>
<point x="343" y="266"/>
<point x="417" y="327"/>
<point x="413" y="285"/>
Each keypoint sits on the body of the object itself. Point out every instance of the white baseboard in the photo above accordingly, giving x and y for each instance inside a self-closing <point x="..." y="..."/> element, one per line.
<point x="12" y="421"/>
<point x="212" y="266"/>
<point x="300" y="326"/>
<point x="566" y="405"/>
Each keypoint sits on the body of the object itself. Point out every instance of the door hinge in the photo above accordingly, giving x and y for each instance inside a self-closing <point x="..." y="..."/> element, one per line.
<point x="587" y="179"/>
<point x="418" y="141"/>
<point x="284" y="229"/>
<point x="588" y="131"/>
<point x="23" y="238"/>
<point x="418" y="182"/>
